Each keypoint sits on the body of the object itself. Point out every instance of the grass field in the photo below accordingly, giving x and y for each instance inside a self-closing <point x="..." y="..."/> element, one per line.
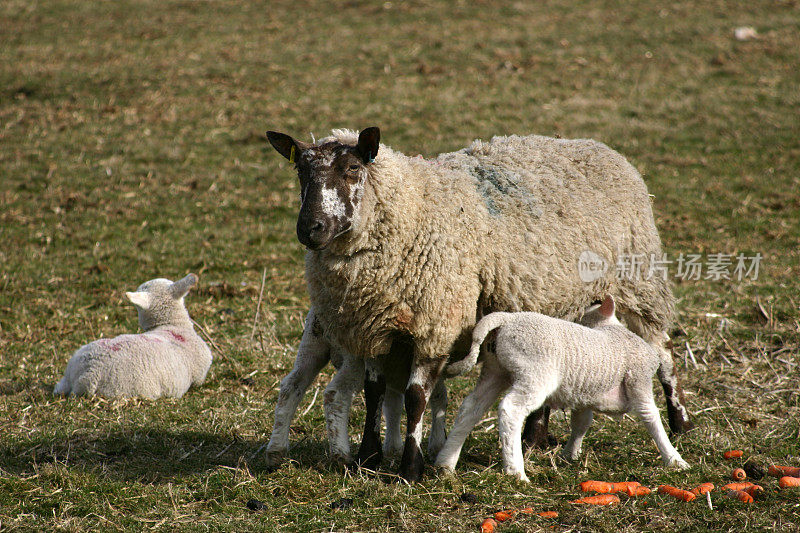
<point x="132" y="147"/>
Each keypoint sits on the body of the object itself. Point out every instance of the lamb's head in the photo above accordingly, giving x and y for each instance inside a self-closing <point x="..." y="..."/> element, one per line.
<point x="159" y="302"/>
<point x="332" y="175"/>
<point x="602" y="314"/>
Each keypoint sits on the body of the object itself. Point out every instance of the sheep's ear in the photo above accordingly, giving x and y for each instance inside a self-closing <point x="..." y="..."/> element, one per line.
<point x="182" y="286"/>
<point x="607" y="307"/>
<point x="285" y="145"/>
<point x="368" y="143"/>
<point x="139" y="299"/>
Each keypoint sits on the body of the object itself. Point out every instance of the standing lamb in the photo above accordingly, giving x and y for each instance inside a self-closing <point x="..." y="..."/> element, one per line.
<point x="409" y="253"/>
<point x="165" y="360"/>
<point x="598" y="366"/>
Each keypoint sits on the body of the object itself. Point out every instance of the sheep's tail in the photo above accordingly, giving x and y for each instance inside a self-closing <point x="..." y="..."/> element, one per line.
<point x="482" y="329"/>
<point x="677" y="413"/>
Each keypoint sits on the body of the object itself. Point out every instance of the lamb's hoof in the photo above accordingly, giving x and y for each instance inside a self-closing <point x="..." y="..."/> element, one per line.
<point x="519" y="475"/>
<point x="677" y="463"/>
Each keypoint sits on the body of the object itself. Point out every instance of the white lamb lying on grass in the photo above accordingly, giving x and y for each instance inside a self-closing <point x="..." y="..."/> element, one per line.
<point x="165" y="360"/>
<point x="600" y="366"/>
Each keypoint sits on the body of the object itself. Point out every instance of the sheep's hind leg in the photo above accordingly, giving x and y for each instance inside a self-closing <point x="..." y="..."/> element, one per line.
<point x="392" y="412"/>
<point x="489" y="386"/>
<point x="312" y="354"/>
<point x="438" y="434"/>
<point x="424" y="375"/>
<point x="370" y="453"/>
<point x="579" y="421"/>
<point x="338" y="399"/>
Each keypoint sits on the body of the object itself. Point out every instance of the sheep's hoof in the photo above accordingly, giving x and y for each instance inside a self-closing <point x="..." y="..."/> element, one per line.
<point x="368" y="462"/>
<point x="519" y="475"/>
<point x="570" y="456"/>
<point x="275" y="458"/>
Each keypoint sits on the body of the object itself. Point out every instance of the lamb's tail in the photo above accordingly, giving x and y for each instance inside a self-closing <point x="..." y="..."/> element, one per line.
<point x="488" y="323"/>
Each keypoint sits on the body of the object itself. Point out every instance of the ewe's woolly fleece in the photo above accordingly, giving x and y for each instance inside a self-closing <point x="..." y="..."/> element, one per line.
<point x="165" y="360"/>
<point x="498" y="226"/>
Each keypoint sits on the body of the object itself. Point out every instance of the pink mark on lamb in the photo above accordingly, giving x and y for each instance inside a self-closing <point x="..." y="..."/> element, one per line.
<point x="177" y="336"/>
<point x="111" y="344"/>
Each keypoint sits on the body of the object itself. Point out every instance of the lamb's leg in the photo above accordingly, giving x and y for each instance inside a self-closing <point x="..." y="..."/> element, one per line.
<point x="579" y="421"/>
<point x="424" y="375"/>
<point x="438" y="433"/>
<point x="338" y="399"/>
<point x="489" y="386"/>
<point x="517" y="404"/>
<point x="370" y="454"/>
<point x="644" y="406"/>
<point x="392" y="411"/>
<point x="534" y="435"/>
<point x="312" y="354"/>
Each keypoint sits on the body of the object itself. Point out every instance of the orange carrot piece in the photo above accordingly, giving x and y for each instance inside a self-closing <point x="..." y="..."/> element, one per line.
<point x="780" y="471"/>
<point x="733" y="454"/>
<point x="624" y="486"/>
<point x="488" y="525"/>
<point x="681" y="494"/>
<point x="738" y="474"/>
<point x="754" y="490"/>
<point x="600" y="499"/>
<point x="638" y="491"/>
<point x="548" y="514"/>
<point x="601" y="487"/>
<point x="502" y="516"/>
<point x="702" y="488"/>
<point x="789" y="481"/>
<point x="526" y="510"/>
<point x="740" y="495"/>
<point x="737" y="486"/>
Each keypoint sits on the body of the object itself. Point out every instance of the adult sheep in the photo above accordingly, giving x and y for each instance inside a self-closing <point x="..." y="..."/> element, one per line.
<point x="405" y="254"/>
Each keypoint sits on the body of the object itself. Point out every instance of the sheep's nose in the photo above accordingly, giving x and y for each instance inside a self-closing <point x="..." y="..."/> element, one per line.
<point x="313" y="232"/>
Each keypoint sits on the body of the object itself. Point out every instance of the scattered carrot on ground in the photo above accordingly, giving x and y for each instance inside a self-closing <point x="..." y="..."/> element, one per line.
<point x="600" y="499"/>
<point x="733" y="454"/>
<point x="738" y="474"/>
<point x="740" y="495"/>
<point x="526" y="510"/>
<point x="702" y="489"/>
<point x="780" y="471"/>
<point x="638" y="491"/>
<point x="756" y="491"/>
<point x="548" y="514"/>
<point x="608" y="487"/>
<point x="681" y="494"/>
<point x="789" y="481"/>
<point x="737" y="486"/>
<point x="502" y="516"/>
<point x="488" y="525"/>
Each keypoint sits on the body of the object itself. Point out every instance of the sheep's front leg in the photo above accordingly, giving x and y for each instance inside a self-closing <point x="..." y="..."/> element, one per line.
<point x="312" y="354"/>
<point x="438" y="434"/>
<point x="424" y="375"/>
<point x="370" y="453"/>
<point x="338" y="399"/>
<point x="579" y="421"/>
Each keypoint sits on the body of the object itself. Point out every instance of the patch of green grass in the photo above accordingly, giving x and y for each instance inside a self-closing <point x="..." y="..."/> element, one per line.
<point x="132" y="147"/>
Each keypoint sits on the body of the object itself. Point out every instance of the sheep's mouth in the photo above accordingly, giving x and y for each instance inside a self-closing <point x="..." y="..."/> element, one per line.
<point x="317" y="246"/>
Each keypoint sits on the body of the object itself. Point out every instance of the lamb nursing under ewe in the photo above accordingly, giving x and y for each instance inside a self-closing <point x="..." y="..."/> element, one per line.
<point x="165" y="360"/>
<point x="598" y="366"/>
<point x="406" y="254"/>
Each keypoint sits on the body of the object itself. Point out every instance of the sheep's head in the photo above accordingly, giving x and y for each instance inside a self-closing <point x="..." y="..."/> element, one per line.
<point x="159" y="302"/>
<point x="332" y="178"/>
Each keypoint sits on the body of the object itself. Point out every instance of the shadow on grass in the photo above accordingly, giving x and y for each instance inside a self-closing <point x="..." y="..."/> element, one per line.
<point x="152" y="455"/>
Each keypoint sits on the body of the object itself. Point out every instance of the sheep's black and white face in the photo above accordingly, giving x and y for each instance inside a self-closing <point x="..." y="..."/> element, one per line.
<point x="332" y="179"/>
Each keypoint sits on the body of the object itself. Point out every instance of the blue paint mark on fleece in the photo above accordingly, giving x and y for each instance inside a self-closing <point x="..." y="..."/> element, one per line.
<point x="497" y="186"/>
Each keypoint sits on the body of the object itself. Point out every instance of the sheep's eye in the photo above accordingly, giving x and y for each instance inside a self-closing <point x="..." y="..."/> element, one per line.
<point x="352" y="168"/>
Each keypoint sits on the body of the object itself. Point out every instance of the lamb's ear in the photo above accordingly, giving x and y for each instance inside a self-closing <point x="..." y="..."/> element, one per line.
<point x="368" y="143"/>
<point x="607" y="308"/>
<point x="139" y="299"/>
<point x="182" y="286"/>
<point x="285" y="145"/>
